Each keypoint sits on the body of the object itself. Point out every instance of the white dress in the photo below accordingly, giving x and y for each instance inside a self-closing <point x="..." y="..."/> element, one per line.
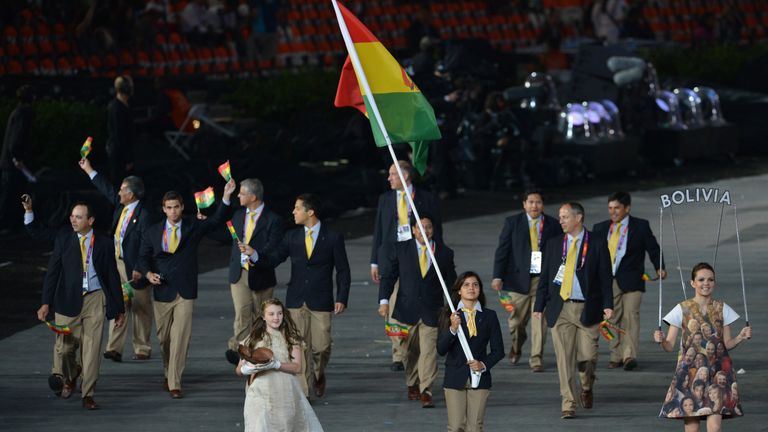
<point x="274" y="401"/>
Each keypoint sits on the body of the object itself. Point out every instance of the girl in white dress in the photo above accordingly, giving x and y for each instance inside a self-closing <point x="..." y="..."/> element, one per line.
<point x="274" y="400"/>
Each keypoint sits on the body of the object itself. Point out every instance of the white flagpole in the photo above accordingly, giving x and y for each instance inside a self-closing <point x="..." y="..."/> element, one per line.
<point x="741" y="265"/>
<point x="661" y="257"/>
<point x="372" y="102"/>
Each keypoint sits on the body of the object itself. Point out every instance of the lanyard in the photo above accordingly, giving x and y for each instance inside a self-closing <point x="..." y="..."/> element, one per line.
<point x="541" y="229"/>
<point x="255" y="221"/>
<point x="622" y="237"/>
<point x="124" y="228"/>
<point x="584" y="248"/>
<point x="88" y="255"/>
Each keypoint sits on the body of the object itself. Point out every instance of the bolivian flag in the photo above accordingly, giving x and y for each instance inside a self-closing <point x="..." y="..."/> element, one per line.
<point x="406" y="114"/>
<point x="205" y="198"/>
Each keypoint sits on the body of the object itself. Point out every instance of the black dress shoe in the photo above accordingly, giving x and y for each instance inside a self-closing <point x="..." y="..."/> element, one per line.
<point x="56" y="383"/>
<point x="630" y="364"/>
<point x="232" y="356"/>
<point x="397" y="366"/>
<point x="114" y="356"/>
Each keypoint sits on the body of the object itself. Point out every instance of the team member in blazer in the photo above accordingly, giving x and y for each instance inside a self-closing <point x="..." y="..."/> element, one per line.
<point x="575" y="294"/>
<point x="257" y="228"/>
<point x="129" y="221"/>
<point x="39" y="232"/>
<point x="393" y="224"/>
<point x="315" y="251"/>
<point x="82" y="286"/>
<point x="168" y="259"/>
<point x="516" y="270"/>
<point x="629" y="238"/>
<point x="466" y="405"/>
<point x="419" y="301"/>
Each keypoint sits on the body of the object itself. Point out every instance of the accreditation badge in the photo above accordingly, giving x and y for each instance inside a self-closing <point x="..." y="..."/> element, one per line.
<point x="243" y="259"/>
<point x="535" y="262"/>
<point x="560" y="274"/>
<point x="85" y="280"/>
<point x="404" y="233"/>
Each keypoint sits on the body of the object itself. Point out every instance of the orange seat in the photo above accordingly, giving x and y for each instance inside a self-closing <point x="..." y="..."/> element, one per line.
<point x="14" y="67"/>
<point x="29" y="49"/>
<point x="62" y="47"/>
<point x="31" y="67"/>
<point x="64" y="66"/>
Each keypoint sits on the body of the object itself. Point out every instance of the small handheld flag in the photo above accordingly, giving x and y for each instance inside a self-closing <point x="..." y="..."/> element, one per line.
<point x="85" y="150"/>
<point x="62" y="329"/>
<point x="506" y="301"/>
<point x="606" y="329"/>
<point x="395" y="329"/>
<point x="232" y="231"/>
<point x="205" y="198"/>
<point x="225" y="171"/>
<point x="127" y="291"/>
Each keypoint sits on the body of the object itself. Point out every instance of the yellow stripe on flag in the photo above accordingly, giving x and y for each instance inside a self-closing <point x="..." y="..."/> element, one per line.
<point x="384" y="73"/>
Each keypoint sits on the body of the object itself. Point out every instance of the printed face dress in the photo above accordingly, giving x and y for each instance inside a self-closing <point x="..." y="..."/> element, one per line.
<point x="705" y="379"/>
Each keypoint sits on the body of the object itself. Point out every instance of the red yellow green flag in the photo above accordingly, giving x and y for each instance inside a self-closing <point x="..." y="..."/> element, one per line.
<point x="205" y="198"/>
<point x="405" y="112"/>
<point x="232" y="232"/>
<point x="85" y="150"/>
<point x="225" y="171"/>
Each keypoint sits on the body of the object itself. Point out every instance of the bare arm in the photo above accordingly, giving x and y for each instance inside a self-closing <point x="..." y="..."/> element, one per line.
<point x="668" y="342"/>
<point x="733" y="342"/>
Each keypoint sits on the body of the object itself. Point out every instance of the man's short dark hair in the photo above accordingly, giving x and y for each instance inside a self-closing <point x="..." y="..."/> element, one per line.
<point x="310" y="202"/>
<point x="173" y="196"/>
<point x="88" y="208"/>
<point x="624" y="198"/>
<point x="135" y="185"/>
<point x="422" y="216"/>
<point x="530" y="192"/>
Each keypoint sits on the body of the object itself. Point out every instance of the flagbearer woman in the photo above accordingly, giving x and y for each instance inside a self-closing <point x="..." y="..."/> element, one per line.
<point x="466" y="405"/>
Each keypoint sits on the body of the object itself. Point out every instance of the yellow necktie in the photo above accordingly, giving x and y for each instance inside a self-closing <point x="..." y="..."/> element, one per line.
<point x="534" y="233"/>
<point x="83" y="253"/>
<point x="613" y="243"/>
<point x="423" y="261"/>
<point x="570" y="268"/>
<point x="402" y="210"/>
<point x="119" y="230"/>
<point x="308" y="243"/>
<point x="250" y="226"/>
<point x="174" y="240"/>
<point x="471" y="326"/>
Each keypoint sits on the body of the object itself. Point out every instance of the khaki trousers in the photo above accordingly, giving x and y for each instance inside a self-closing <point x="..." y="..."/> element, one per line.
<point x="174" y="330"/>
<point x="519" y="318"/>
<point x="575" y="347"/>
<point x="626" y="315"/>
<point x="466" y="409"/>
<point x="398" y="348"/>
<point x="421" y="356"/>
<point x="247" y="305"/>
<point x="138" y="314"/>
<point x="87" y="329"/>
<point x="315" y="329"/>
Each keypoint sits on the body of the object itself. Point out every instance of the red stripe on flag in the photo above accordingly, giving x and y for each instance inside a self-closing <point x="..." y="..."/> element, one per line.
<point x="357" y="30"/>
<point x="348" y="93"/>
